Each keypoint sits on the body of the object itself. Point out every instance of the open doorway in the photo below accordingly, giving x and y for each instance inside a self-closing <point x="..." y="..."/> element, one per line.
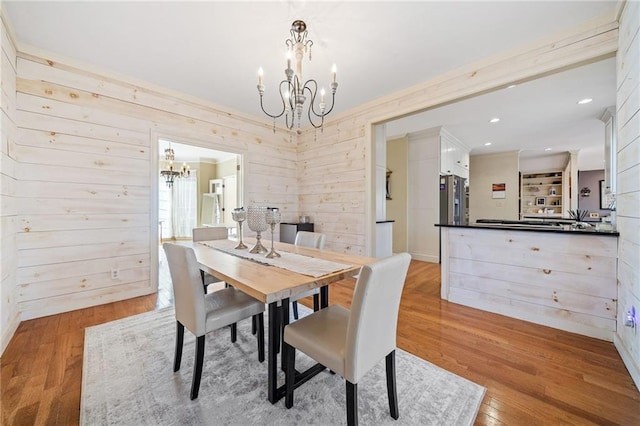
<point x="194" y="186"/>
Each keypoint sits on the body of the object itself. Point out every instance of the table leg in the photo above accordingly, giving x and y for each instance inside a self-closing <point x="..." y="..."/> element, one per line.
<point x="324" y="297"/>
<point x="272" y="355"/>
<point x="285" y="320"/>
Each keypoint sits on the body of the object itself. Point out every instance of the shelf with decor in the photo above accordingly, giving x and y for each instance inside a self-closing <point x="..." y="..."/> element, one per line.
<point x="541" y="194"/>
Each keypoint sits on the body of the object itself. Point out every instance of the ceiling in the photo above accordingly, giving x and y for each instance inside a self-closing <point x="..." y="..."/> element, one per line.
<point x="212" y="50"/>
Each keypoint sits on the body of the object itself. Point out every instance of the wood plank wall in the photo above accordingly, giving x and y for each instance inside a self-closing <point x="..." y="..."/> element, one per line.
<point x="565" y="281"/>
<point x="9" y="313"/>
<point x="627" y="339"/>
<point x="335" y="166"/>
<point x="85" y="148"/>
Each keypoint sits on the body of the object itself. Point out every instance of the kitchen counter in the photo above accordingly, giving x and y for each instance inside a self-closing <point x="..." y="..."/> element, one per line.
<point x="535" y="226"/>
<point x="550" y="275"/>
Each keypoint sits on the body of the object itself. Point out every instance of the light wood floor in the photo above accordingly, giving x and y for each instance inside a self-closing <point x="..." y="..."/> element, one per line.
<point x="534" y="375"/>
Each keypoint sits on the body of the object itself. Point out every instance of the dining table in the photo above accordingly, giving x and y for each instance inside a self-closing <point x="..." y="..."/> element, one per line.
<point x="270" y="281"/>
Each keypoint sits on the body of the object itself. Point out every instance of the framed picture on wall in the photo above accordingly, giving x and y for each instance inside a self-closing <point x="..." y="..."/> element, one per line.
<point x="606" y="199"/>
<point x="541" y="201"/>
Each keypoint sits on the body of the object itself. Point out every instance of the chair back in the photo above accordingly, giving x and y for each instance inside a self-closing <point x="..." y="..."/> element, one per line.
<point x="310" y="239"/>
<point x="371" y="332"/>
<point x="208" y="233"/>
<point x="188" y="292"/>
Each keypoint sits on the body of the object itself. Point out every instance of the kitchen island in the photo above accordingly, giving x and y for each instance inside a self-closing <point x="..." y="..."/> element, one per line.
<point x="556" y="276"/>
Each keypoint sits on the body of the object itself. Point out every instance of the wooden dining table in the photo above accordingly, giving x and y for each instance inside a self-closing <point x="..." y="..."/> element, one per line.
<point x="275" y="286"/>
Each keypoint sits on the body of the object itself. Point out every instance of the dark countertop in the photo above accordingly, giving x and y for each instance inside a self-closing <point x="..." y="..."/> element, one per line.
<point x="533" y="226"/>
<point x="385" y="221"/>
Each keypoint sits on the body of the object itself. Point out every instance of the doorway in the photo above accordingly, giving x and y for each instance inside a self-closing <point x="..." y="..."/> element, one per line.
<point x="201" y="164"/>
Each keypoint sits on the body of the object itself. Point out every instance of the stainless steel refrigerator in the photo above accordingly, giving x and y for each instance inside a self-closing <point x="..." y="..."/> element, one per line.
<point x="453" y="200"/>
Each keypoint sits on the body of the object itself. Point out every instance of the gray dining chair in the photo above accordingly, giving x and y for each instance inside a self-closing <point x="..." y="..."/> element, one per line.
<point x="351" y="342"/>
<point x="202" y="313"/>
<point x="208" y="233"/>
<point x="313" y="240"/>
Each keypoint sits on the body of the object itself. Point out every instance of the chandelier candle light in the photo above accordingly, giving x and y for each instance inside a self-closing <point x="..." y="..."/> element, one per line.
<point x="170" y="174"/>
<point x="292" y="89"/>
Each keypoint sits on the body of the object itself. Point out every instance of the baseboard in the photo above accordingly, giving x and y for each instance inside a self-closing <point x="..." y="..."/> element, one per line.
<point x="627" y="359"/>
<point x="8" y="333"/>
<point x="425" y="258"/>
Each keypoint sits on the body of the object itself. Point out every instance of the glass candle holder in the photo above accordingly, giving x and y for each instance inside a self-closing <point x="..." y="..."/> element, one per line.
<point x="256" y="220"/>
<point x="272" y="218"/>
<point x="239" y="215"/>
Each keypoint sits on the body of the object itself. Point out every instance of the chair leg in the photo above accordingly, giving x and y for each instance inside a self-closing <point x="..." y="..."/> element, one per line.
<point x="290" y="373"/>
<point x="316" y="302"/>
<point x="294" y="305"/>
<point x="197" y="367"/>
<point x="352" y="403"/>
<point x="391" y="384"/>
<point x="234" y="332"/>
<point x="260" y="320"/>
<point x="254" y="327"/>
<point x="179" y="340"/>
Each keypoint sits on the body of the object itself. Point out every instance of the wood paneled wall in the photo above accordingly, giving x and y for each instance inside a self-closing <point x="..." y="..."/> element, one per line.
<point x="87" y="151"/>
<point x="9" y="313"/>
<point x="561" y="280"/>
<point x="627" y="339"/>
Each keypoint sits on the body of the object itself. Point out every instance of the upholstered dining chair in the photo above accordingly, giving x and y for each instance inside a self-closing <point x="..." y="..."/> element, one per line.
<point x="201" y="313"/>
<point x="208" y="233"/>
<point x="313" y="240"/>
<point x="351" y="342"/>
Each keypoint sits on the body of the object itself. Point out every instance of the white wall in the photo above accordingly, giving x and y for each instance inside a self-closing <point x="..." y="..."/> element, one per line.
<point x="486" y="170"/>
<point x="627" y="340"/>
<point x="9" y="313"/>
<point x="423" y="195"/>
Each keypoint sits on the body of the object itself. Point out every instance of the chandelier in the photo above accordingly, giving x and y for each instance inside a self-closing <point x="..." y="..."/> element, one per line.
<point x="293" y="91"/>
<point x="170" y="174"/>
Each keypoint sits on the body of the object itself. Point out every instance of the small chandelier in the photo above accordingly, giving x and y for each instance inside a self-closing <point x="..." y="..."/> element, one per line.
<point x="170" y="174"/>
<point x="292" y="91"/>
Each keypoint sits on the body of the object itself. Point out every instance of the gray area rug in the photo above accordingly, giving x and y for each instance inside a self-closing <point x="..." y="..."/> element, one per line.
<point x="128" y="379"/>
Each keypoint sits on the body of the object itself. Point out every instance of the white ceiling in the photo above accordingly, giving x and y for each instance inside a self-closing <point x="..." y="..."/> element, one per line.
<point x="212" y="50"/>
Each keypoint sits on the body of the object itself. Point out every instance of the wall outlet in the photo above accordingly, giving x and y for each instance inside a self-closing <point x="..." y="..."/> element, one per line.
<point x="115" y="273"/>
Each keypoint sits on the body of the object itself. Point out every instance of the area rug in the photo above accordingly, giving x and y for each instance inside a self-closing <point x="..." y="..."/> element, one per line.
<point x="128" y="379"/>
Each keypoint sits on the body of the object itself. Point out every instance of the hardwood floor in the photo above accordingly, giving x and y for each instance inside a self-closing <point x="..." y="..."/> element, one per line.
<point x="534" y="375"/>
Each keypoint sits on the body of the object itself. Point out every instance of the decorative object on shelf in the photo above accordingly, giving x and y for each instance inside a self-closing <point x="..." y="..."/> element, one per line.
<point x="541" y="201"/>
<point x="239" y="215"/>
<point x="552" y="191"/>
<point x="170" y="174"/>
<point x="273" y="218"/>
<point x="585" y="192"/>
<point x="257" y="222"/>
<point x="292" y="89"/>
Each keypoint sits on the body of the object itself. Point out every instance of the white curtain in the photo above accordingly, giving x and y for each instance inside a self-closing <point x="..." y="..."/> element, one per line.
<point x="184" y="206"/>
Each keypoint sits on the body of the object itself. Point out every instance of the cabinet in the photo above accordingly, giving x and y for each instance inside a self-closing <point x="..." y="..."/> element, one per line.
<point x="288" y="231"/>
<point x="454" y="156"/>
<point x="541" y="194"/>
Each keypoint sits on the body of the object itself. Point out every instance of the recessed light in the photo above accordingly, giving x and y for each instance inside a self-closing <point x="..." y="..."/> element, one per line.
<point x="584" y="101"/>
<point x="487" y="143"/>
<point x="547" y="149"/>
<point x="494" y="120"/>
<point x="511" y="86"/>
